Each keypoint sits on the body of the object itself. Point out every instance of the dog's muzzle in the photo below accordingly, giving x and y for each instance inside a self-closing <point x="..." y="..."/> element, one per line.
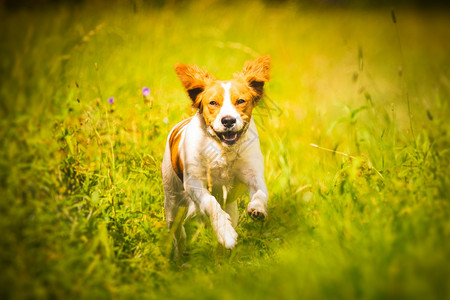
<point x="228" y="137"/>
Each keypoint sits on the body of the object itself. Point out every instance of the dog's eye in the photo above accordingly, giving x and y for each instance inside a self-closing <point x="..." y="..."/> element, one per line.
<point x="240" y="101"/>
<point x="213" y="103"/>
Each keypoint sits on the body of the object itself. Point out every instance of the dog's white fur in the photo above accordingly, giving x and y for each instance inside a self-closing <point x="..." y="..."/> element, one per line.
<point x="214" y="175"/>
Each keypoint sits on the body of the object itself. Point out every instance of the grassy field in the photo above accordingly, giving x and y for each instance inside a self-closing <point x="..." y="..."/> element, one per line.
<point x="81" y="193"/>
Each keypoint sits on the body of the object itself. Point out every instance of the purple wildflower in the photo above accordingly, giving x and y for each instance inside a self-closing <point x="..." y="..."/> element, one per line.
<point x="111" y="100"/>
<point x="145" y="91"/>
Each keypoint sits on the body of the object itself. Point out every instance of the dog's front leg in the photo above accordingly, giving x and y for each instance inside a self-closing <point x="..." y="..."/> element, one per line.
<point x="220" y="220"/>
<point x="257" y="206"/>
<point x="252" y="175"/>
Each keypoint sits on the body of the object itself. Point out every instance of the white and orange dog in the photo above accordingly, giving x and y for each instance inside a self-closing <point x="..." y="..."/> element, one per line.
<point x="212" y="157"/>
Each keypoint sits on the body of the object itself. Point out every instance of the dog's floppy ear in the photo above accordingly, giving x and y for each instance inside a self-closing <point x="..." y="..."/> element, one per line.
<point x="194" y="81"/>
<point x="256" y="73"/>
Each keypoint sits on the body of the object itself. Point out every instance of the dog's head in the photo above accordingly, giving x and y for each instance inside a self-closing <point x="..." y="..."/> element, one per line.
<point x="226" y="106"/>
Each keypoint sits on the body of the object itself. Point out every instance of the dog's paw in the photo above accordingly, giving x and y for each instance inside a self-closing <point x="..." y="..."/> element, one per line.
<point x="256" y="211"/>
<point x="230" y="239"/>
<point x="226" y="235"/>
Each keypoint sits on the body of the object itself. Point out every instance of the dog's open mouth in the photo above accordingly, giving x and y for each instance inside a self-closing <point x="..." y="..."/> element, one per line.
<point x="229" y="137"/>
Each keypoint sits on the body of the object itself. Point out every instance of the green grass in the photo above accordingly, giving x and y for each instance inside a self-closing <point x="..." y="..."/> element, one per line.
<point x="82" y="200"/>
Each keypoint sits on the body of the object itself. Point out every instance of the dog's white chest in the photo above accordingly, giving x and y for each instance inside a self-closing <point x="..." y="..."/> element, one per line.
<point x="221" y="165"/>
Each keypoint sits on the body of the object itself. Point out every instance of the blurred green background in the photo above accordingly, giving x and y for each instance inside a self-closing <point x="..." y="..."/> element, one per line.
<point x="365" y="216"/>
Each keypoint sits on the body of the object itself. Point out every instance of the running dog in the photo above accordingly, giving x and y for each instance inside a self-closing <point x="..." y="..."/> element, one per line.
<point x="212" y="157"/>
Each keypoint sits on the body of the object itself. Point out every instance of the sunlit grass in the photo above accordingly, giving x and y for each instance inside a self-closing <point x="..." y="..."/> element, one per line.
<point x="363" y="215"/>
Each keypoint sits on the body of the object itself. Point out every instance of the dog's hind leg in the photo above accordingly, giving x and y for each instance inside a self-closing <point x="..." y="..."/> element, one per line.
<point x="175" y="205"/>
<point x="175" y="216"/>
<point x="178" y="233"/>
<point x="232" y="210"/>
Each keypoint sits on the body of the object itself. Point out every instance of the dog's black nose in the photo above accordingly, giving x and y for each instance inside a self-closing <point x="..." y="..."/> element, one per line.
<point x="228" y="121"/>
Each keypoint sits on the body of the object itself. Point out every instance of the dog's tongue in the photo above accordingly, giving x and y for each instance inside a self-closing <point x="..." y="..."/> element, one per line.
<point x="230" y="136"/>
